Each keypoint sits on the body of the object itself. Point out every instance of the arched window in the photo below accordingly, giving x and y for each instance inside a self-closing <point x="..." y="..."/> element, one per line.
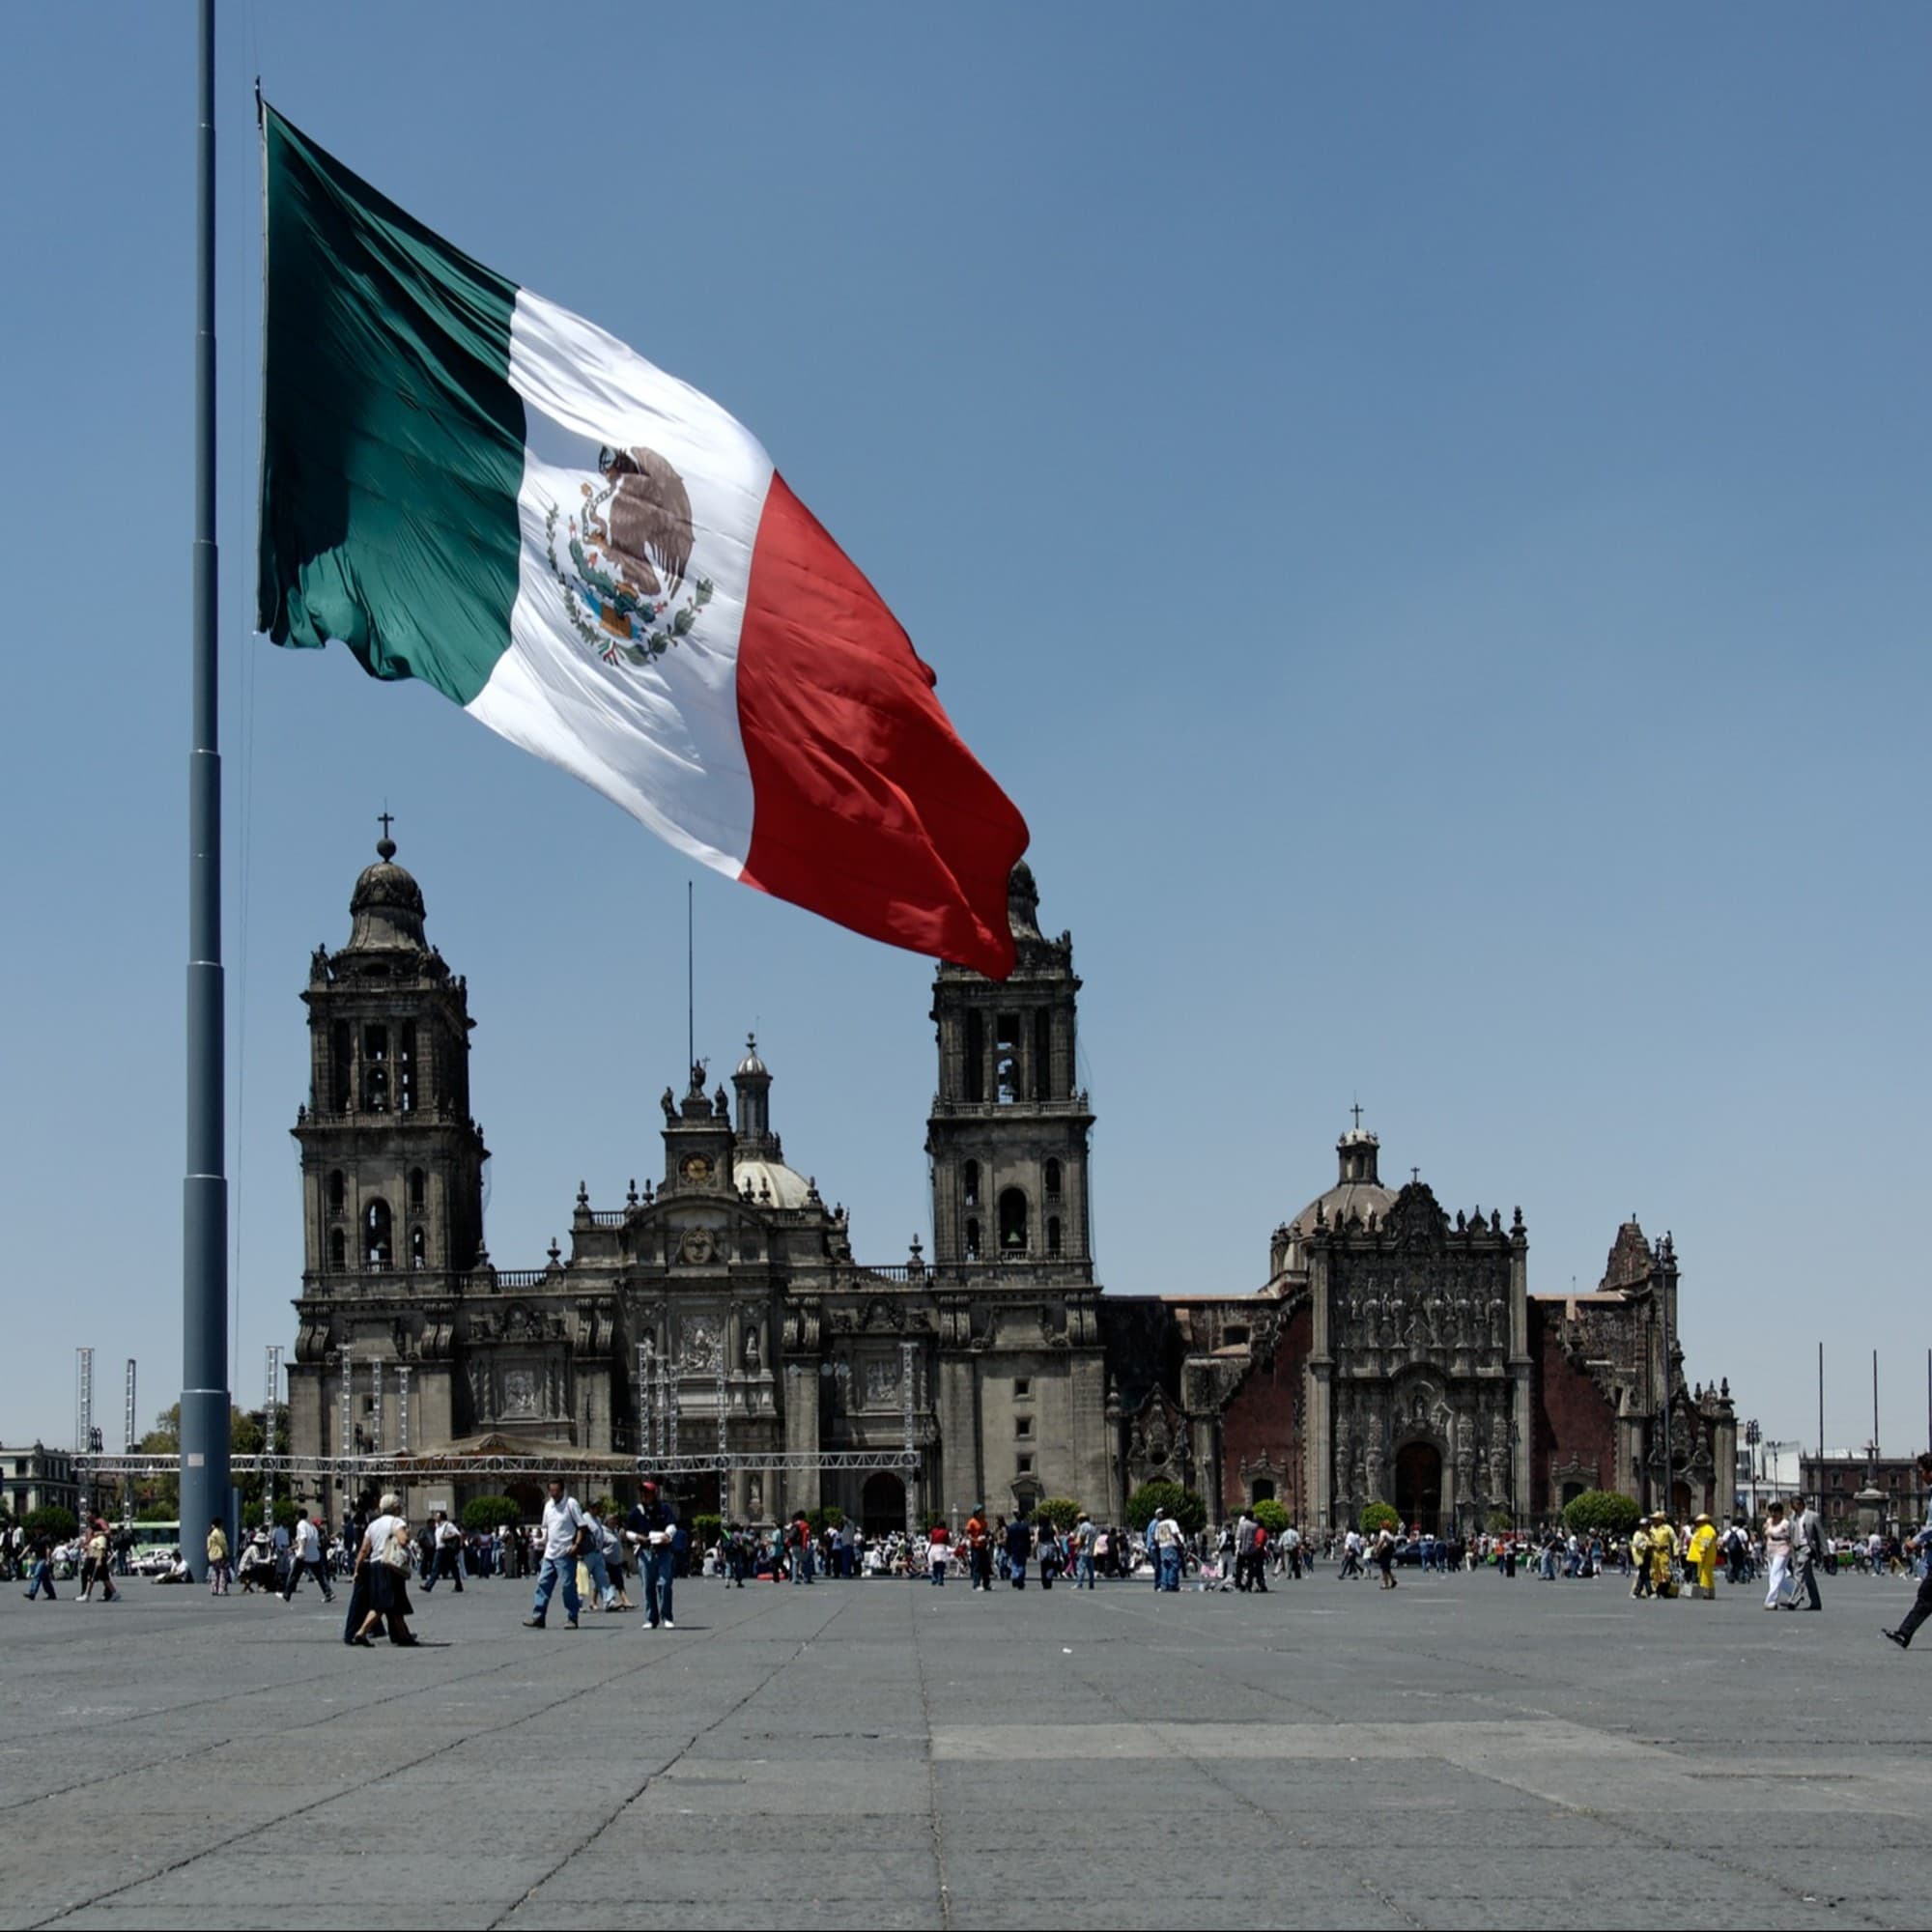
<point x="1052" y="1177"/>
<point x="338" y="1251"/>
<point x="1053" y="1234"/>
<point x="378" y="1249"/>
<point x="418" y="1249"/>
<point x="341" y="1052"/>
<point x="337" y="1190"/>
<point x="1012" y="1221"/>
<point x="1006" y="1059"/>
<point x="1042" y="1053"/>
<point x="976" y="1056"/>
<point x="419" y="1183"/>
<point x="375" y="1068"/>
<point x="973" y="1240"/>
<point x="972" y="1178"/>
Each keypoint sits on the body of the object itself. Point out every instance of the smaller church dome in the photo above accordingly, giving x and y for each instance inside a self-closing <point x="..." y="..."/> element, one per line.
<point x="787" y="1187"/>
<point x="752" y="1067"/>
<point x="386" y="906"/>
<point x="1358" y="1190"/>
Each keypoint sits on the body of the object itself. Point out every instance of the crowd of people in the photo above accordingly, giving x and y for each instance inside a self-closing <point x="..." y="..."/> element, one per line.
<point x="591" y="1554"/>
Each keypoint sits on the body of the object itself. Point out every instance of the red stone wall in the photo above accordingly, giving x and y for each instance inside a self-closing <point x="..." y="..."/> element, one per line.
<point x="1571" y="1419"/>
<point x="1258" y="1422"/>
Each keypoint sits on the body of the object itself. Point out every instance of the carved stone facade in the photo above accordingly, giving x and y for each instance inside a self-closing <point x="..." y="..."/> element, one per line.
<point x="1394" y="1352"/>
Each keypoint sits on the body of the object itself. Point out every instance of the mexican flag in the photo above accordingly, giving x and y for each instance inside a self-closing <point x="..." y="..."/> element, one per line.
<point x="467" y="484"/>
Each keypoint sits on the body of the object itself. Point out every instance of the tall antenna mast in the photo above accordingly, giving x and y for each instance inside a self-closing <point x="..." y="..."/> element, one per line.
<point x="690" y="979"/>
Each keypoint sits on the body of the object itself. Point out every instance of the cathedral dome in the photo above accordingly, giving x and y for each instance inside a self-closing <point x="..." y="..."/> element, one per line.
<point x="1358" y="1190"/>
<point x="386" y="906"/>
<point x="787" y="1187"/>
<point x="752" y="1067"/>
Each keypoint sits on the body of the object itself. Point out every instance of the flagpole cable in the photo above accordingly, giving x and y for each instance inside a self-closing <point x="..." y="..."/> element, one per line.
<point x="690" y="979"/>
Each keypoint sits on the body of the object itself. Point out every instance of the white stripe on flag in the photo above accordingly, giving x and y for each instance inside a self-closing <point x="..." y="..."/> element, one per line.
<point x="658" y="738"/>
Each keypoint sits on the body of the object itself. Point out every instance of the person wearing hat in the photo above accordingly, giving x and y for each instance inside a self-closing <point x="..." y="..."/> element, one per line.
<point x="651" y="1530"/>
<point x="1702" y="1554"/>
<point x="1662" y="1555"/>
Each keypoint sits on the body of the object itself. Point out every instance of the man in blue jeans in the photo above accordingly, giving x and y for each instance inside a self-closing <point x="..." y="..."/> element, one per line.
<point x="1083" y="1545"/>
<point x="651" y="1530"/>
<point x="798" y="1544"/>
<point x="562" y="1526"/>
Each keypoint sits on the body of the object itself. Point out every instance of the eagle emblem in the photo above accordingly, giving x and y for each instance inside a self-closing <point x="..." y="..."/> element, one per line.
<point x="628" y="549"/>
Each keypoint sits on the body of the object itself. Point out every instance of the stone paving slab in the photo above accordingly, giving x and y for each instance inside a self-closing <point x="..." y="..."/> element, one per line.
<point x="894" y="1755"/>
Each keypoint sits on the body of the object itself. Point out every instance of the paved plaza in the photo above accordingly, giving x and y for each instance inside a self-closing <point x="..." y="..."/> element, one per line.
<point x="1460" y="1751"/>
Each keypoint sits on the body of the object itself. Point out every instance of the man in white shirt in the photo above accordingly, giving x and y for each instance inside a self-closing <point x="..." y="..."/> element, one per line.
<point x="562" y="1525"/>
<point x="448" y="1540"/>
<point x="305" y="1553"/>
<point x="1171" y="1553"/>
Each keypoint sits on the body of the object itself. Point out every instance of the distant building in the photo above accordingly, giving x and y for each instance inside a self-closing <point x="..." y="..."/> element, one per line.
<point x="38" y="1478"/>
<point x="1834" y="1484"/>
<point x="1393" y="1352"/>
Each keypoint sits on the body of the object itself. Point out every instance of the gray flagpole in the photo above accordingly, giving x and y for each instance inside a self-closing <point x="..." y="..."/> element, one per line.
<point x="204" y="1492"/>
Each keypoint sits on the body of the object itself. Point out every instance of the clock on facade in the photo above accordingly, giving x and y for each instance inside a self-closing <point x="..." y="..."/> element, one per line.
<point x="696" y="1167"/>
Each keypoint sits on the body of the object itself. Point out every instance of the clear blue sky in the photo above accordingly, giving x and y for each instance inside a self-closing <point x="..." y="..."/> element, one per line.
<point x="1427" y="513"/>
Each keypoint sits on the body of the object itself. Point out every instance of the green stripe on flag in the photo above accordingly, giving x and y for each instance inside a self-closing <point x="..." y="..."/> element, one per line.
<point x="392" y="443"/>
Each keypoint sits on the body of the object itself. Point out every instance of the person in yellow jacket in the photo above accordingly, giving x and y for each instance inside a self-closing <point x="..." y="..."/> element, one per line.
<point x="1662" y="1555"/>
<point x="1702" y="1552"/>
<point x="217" y="1560"/>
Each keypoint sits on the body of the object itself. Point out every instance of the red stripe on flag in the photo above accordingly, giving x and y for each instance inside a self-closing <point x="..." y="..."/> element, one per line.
<point x="867" y="806"/>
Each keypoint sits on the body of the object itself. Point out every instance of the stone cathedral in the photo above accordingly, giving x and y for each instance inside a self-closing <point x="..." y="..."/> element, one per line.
<point x="1394" y="1350"/>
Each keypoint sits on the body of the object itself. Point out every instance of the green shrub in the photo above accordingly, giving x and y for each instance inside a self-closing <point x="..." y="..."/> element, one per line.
<point x="1061" y="1512"/>
<point x="1153" y="1500"/>
<point x="1378" y="1516"/>
<point x="827" y="1516"/>
<point x="50" y="1519"/>
<point x="1270" y="1515"/>
<point x="1607" y="1511"/>
<point x="705" y="1530"/>
<point x="287" y="1514"/>
<point x="1500" y="1523"/>
<point x="486" y="1512"/>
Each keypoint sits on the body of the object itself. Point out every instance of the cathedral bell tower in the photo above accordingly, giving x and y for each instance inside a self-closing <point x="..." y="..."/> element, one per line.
<point x="1008" y="1131"/>
<point x="393" y="1164"/>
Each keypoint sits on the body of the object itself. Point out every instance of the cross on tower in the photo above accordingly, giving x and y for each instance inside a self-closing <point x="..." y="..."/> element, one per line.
<point x="386" y="819"/>
<point x="1356" y="1110"/>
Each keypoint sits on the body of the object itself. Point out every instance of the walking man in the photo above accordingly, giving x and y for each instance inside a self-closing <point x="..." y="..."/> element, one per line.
<point x="1084" y="1537"/>
<point x="1922" y="1607"/>
<point x="980" y="1549"/>
<point x="305" y="1553"/>
<point x="564" y="1532"/>
<point x="1808" y="1552"/>
<point x="1172" y="1548"/>
<point x="1019" y="1547"/>
<point x="42" y="1561"/>
<point x="651" y="1530"/>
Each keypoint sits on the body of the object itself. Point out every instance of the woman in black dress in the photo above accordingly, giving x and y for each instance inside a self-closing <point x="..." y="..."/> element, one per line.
<point x="381" y="1593"/>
